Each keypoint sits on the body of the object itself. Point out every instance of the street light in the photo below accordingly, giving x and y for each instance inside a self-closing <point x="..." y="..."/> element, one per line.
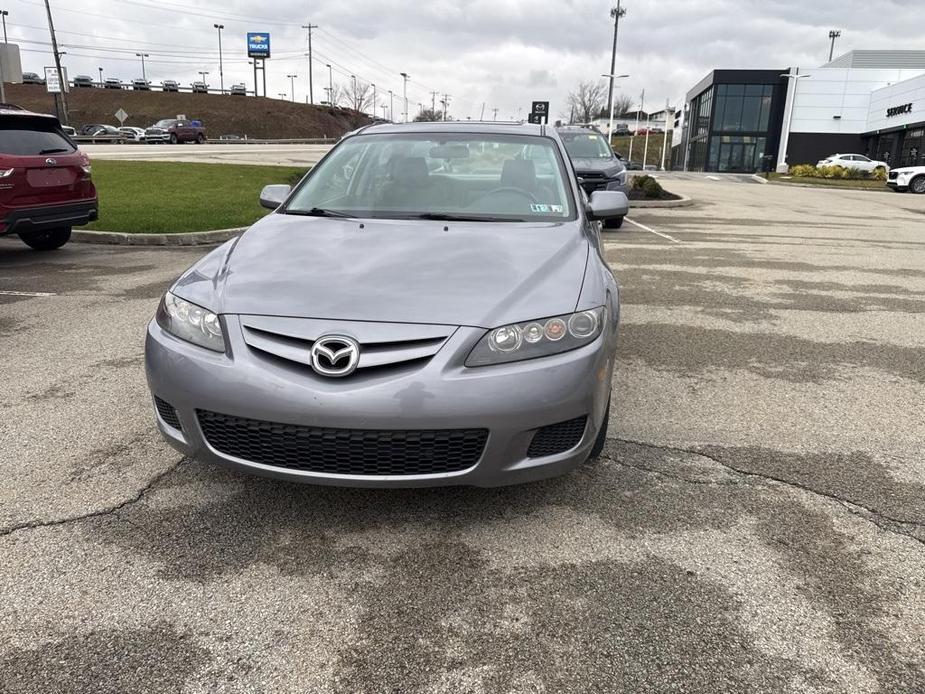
<point x="282" y="95"/>
<point x="101" y="76"/>
<point x="330" y="83"/>
<point x="405" y="77"/>
<point x="221" y="71"/>
<point x="834" y="34"/>
<point x="292" y="84"/>
<point x="356" y="105"/>
<point x="144" y="76"/>
<point x="203" y="73"/>
<point x="391" y="106"/>
<point x="610" y="126"/>
<point x="785" y="135"/>
<point x="4" y="14"/>
<point x="374" y="101"/>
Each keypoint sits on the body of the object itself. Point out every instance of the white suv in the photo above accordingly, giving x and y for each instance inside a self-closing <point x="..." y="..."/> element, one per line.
<point x="854" y="161"/>
<point x="907" y="178"/>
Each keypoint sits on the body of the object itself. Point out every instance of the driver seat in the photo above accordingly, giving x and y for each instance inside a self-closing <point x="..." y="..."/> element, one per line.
<point x="521" y="174"/>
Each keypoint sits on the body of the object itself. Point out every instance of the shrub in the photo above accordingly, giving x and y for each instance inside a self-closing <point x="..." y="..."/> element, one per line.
<point x="652" y="188"/>
<point x="639" y="182"/>
<point x="879" y="174"/>
<point x="833" y="171"/>
<point x="804" y="171"/>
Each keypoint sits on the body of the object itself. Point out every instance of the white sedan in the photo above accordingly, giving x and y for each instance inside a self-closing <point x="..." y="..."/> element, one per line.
<point x="854" y="161"/>
<point x="911" y="178"/>
<point x="133" y="133"/>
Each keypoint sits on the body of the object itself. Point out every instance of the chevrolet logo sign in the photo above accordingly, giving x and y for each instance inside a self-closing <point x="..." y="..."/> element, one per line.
<point x="258" y="39"/>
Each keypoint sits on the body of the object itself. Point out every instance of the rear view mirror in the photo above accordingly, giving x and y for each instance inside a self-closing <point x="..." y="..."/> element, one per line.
<point x="273" y="196"/>
<point x="449" y="152"/>
<point x="608" y="204"/>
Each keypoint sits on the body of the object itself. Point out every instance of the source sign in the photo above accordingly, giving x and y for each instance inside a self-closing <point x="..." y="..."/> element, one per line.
<point x="898" y="110"/>
<point x="121" y="115"/>
<point x="258" y="44"/>
<point x="540" y="107"/>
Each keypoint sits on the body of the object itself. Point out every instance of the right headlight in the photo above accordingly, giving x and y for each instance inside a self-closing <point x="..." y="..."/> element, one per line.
<point x="190" y="322"/>
<point x="539" y="338"/>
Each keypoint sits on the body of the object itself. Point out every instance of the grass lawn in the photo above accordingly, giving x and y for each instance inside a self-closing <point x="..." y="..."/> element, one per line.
<point x="858" y="184"/>
<point x="171" y="197"/>
<point x="653" y="155"/>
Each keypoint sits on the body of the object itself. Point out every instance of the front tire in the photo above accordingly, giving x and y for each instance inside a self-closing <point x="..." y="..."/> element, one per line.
<point x="917" y="185"/>
<point x="200" y="139"/>
<point x="601" y="437"/>
<point x="47" y="240"/>
<point x="173" y="138"/>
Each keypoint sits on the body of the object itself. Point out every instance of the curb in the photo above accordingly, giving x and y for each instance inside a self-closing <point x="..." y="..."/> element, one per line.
<point x="684" y="201"/>
<point x="119" y="238"/>
<point x="815" y="187"/>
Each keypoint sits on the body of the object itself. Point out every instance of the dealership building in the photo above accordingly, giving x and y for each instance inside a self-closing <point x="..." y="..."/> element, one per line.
<point x="864" y="102"/>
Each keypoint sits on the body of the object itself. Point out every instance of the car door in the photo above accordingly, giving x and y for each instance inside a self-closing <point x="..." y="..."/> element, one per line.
<point x="863" y="163"/>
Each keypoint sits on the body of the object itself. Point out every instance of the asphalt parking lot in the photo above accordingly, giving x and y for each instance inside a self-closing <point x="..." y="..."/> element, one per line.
<point x="757" y="523"/>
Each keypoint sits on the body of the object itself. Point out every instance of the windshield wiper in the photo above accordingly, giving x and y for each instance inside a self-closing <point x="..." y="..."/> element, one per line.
<point x="447" y="217"/>
<point x="319" y="212"/>
<point x="53" y="150"/>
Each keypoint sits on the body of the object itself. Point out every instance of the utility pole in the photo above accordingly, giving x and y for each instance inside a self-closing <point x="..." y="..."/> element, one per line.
<point x="311" y="92"/>
<point x="144" y="75"/>
<point x="494" y="114"/>
<point x="292" y="84"/>
<point x="355" y="97"/>
<point x="374" y="101"/>
<point x="433" y="104"/>
<point x="834" y="34"/>
<point x="446" y="105"/>
<point x="405" y="77"/>
<point x="642" y="103"/>
<point x="665" y="138"/>
<point x="616" y="13"/>
<point x="330" y="83"/>
<point x="54" y="49"/>
<point x="221" y="67"/>
<point x="4" y="14"/>
<point x="391" y="106"/>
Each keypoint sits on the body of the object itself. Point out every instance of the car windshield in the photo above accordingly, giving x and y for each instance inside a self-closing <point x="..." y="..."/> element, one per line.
<point x="31" y="137"/>
<point x="164" y="123"/>
<point x="466" y="176"/>
<point x="586" y="146"/>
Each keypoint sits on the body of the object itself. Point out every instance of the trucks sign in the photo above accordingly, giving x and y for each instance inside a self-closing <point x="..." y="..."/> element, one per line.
<point x="258" y="44"/>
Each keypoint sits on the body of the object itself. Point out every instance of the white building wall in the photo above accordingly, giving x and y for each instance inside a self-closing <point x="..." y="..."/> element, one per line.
<point x="829" y="92"/>
<point x="909" y="92"/>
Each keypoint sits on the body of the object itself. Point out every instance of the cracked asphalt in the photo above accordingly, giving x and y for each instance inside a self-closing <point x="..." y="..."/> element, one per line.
<point x="756" y="524"/>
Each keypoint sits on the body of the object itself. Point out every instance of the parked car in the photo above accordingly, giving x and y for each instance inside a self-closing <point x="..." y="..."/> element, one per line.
<point x="170" y="86"/>
<point x="140" y="85"/>
<point x="854" y="161"/>
<point x="45" y="183"/>
<point x="32" y="78"/>
<point x="481" y="354"/>
<point x="133" y="133"/>
<point x="907" y="178"/>
<point x="598" y="167"/>
<point x="200" y="88"/>
<point x="112" y="83"/>
<point x="238" y="90"/>
<point x="84" y="82"/>
<point x="175" y="131"/>
<point x="104" y="132"/>
<point x="69" y="131"/>
<point x="632" y="165"/>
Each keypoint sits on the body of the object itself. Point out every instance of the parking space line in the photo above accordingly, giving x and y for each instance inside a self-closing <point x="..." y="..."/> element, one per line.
<point x="10" y="292"/>
<point x="650" y="230"/>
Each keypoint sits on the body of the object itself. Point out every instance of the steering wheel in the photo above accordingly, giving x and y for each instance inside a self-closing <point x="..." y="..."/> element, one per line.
<point x="509" y="189"/>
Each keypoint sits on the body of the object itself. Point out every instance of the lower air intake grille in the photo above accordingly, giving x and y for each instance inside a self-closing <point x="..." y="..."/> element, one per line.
<point x="167" y="413"/>
<point x="343" y="451"/>
<point x="557" y="438"/>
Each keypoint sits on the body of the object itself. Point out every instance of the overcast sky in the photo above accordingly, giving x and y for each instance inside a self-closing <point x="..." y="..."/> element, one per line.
<point x="500" y="53"/>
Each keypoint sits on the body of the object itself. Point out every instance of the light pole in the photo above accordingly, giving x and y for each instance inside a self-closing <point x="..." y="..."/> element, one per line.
<point x="311" y="89"/>
<point x="330" y="83"/>
<point x="282" y="95"/>
<point x="353" y="84"/>
<point x="642" y="105"/>
<point x="4" y="14"/>
<point x="405" y="77"/>
<point x="374" y="101"/>
<point x="144" y="75"/>
<point x="383" y="112"/>
<point x="793" y="78"/>
<point x="616" y="12"/>
<point x="391" y="106"/>
<point x="101" y="75"/>
<point x="610" y="126"/>
<point x="669" y="113"/>
<point x="834" y="34"/>
<point x="292" y="84"/>
<point x="203" y="73"/>
<point x="221" y="68"/>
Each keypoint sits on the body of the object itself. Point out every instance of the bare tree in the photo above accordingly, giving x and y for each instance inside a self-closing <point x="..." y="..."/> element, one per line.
<point x="358" y="95"/>
<point x="587" y="101"/>
<point x="429" y="115"/>
<point x="622" y="103"/>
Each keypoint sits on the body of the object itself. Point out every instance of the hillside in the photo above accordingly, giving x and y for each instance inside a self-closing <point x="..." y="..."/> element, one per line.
<point x="252" y="116"/>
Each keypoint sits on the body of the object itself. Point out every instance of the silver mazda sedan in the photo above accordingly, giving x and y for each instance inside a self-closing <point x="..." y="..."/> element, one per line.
<point x="428" y="306"/>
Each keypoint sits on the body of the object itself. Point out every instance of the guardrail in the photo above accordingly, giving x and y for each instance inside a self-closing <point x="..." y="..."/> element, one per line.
<point x="100" y="139"/>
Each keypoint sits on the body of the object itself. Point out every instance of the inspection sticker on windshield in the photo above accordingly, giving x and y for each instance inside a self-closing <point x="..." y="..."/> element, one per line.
<point x="543" y="208"/>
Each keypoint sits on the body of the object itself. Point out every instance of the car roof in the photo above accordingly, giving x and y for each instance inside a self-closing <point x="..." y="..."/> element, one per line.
<point x="12" y="110"/>
<point x="459" y="126"/>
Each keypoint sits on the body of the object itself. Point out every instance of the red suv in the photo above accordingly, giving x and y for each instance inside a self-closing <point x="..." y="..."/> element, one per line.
<point x="45" y="185"/>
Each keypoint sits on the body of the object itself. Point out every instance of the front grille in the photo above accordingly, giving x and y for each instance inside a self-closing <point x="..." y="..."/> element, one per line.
<point x="557" y="438"/>
<point x="893" y="175"/>
<point x="343" y="451"/>
<point x="167" y="413"/>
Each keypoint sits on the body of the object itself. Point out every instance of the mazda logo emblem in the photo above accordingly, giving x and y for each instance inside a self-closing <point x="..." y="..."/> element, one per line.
<point x="335" y="355"/>
<point x="51" y="162"/>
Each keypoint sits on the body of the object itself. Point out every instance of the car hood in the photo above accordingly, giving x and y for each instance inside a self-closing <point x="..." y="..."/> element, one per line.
<point x="609" y="166"/>
<point x="478" y="274"/>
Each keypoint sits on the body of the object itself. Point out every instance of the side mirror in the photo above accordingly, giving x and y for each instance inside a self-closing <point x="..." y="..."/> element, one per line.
<point x="608" y="204"/>
<point x="273" y="196"/>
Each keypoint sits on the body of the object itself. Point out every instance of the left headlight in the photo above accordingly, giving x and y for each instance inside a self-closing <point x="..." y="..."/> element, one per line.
<point x="539" y="338"/>
<point x="190" y="322"/>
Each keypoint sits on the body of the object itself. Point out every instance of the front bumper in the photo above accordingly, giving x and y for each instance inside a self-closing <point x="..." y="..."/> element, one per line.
<point x="26" y="220"/>
<point x="157" y="137"/>
<point x="511" y="401"/>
